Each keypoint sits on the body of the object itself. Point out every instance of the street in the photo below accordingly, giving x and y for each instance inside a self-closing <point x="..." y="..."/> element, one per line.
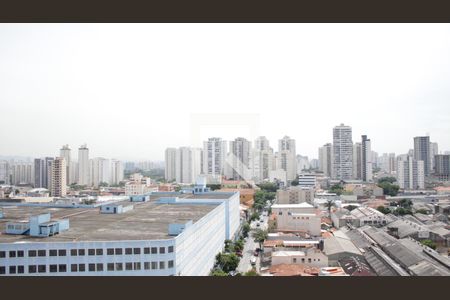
<point x="250" y="247"/>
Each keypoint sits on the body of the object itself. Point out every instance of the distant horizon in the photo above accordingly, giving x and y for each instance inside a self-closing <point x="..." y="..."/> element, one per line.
<point x="132" y="90"/>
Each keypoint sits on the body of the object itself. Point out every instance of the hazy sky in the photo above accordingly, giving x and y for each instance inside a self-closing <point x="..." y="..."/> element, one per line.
<point x="131" y="90"/>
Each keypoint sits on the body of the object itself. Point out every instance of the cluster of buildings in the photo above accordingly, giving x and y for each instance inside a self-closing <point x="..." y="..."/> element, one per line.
<point x="57" y="173"/>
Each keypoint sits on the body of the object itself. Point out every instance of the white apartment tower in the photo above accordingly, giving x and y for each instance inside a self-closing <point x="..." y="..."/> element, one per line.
<point x="214" y="154"/>
<point x="100" y="171"/>
<point x="170" y="160"/>
<point x="262" y="159"/>
<point x="342" y="152"/>
<point x="83" y="165"/>
<point x="411" y="174"/>
<point x="239" y="158"/>
<point x="58" y="178"/>
<point x="286" y="157"/>
<point x="116" y="171"/>
<point x="326" y="159"/>
<point x="65" y="152"/>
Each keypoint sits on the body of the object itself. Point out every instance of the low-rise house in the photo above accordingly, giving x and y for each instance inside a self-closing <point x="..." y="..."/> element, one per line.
<point x="309" y="256"/>
<point x="295" y="195"/>
<point x="340" y="247"/>
<point x="291" y="270"/>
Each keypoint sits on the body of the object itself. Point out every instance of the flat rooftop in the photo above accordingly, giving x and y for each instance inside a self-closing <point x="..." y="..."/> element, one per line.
<point x="147" y="221"/>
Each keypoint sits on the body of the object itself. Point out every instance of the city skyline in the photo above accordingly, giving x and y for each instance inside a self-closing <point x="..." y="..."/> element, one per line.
<point x="97" y="84"/>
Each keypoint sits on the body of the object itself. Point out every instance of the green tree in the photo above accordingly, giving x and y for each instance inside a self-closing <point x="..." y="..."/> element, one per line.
<point x="383" y="209"/>
<point x="337" y="189"/>
<point x="254" y="216"/>
<point x="268" y="186"/>
<point x="402" y="211"/>
<point x="103" y="184"/>
<point x="387" y="179"/>
<point x="252" y="272"/>
<point x="260" y="236"/>
<point x="214" y="187"/>
<point x="405" y="203"/>
<point x="421" y="211"/>
<point x="219" y="273"/>
<point x="228" y="262"/>
<point x="245" y="229"/>
<point x="429" y="243"/>
<point x="389" y="188"/>
<point x="295" y="182"/>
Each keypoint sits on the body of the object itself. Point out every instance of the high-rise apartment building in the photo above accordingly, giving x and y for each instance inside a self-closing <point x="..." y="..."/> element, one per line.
<point x="40" y="173"/>
<point x="4" y="172"/>
<point x="239" y="158"/>
<point x="366" y="159"/>
<point x="22" y="173"/>
<point x="434" y="150"/>
<point x="342" y="152"/>
<point x="302" y="163"/>
<point x="442" y="167"/>
<point x="214" y="155"/>
<point x="83" y="165"/>
<point x="286" y="157"/>
<point x="65" y="152"/>
<point x="188" y="164"/>
<point x="58" y="178"/>
<point x="170" y="160"/>
<point x="100" y="171"/>
<point x="117" y="171"/>
<point x="411" y="174"/>
<point x="357" y="161"/>
<point x="262" y="159"/>
<point x="422" y="152"/>
<point x="326" y="159"/>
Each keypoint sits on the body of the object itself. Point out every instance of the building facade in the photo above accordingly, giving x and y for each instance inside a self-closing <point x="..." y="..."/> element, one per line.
<point x="422" y="152"/>
<point x="342" y="152"/>
<point x="411" y="174"/>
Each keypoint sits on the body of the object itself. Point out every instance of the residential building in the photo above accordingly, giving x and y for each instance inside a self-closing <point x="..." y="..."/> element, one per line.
<point x="411" y="174"/>
<point x="302" y="163"/>
<point x="422" y="152"/>
<point x="262" y="159"/>
<point x="286" y="157"/>
<point x="239" y="159"/>
<point x="100" y="171"/>
<point x="307" y="180"/>
<point x="214" y="155"/>
<point x="312" y="257"/>
<point x="65" y="152"/>
<point x="117" y="171"/>
<point x="59" y="181"/>
<point x="342" y="153"/>
<point x="366" y="159"/>
<point x="434" y="150"/>
<point x="357" y="161"/>
<point x="326" y="159"/>
<point x="170" y="160"/>
<point x="22" y="173"/>
<point x="442" y="167"/>
<point x="188" y="164"/>
<point x="83" y="166"/>
<point x="295" y="195"/>
<point x="4" y="172"/>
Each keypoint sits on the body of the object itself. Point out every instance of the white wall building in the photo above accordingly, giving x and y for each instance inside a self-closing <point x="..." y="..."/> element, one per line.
<point x="83" y="166"/>
<point x="65" y="152"/>
<point x="117" y="171"/>
<point x="301" y="217"/>
<point x="411" y="174"/>
<point x="326" y="159"/>
<point x="342" y="152"/>
<point x="170" y="160"/>
<point x="214" y="155"/>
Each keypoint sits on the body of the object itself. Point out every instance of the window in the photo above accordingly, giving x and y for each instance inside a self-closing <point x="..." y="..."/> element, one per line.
<point x="162" y="250"/>
<point x="119" y="266"/>
<point x="137" y="265"/>
<point x="118" y="251"/>
<point x="147" y="265"/>
<point x="154" y="265"/>
<point x="110" y="251"/>
<point x="62" y="268"/>
<point x="62" y="252"/>
<point x="53" y="252"/>
<point x="42" y="268"/>
<point x="74" y="268"/>
<point x="303" y="260"/>
<point x="99" y="267"/>
<point x="73" y="252"/>
<point x="110" y="266"/>
<point x="20" y="253"/>
<point x="162" y="265"/>
<point x="128" y="266"/>
<point x="146" y="250"/>
<point x="2" y="270"/>
<point x="170" y="266"/>
<point x="41" y="252"/>
<point x="2" y="254"/>
<point x="81" y="252"/>
<point x="280" y="213"/>
<point x="137" y="250"/>
<point x="20" y="269"/>
<point x="128" y="251"/>
<point x="294" y="260"/>
<point x="170" y="249"/>
<point x="99" y="251"/>
<point x="154" y="250"/>
<point x="53" y="268"/>
<point x="91" y="252"/>
<point x="32" y="253"/>
<point x="309" y="260"/>
<point x="31" y="269"/>
<point x="91" y="267"/>
<point x="12" y="269"/>
<point x="12" y="253"/>
<point x="81" y="267"/>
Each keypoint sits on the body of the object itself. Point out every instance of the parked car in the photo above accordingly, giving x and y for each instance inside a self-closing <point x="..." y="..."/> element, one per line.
<point x="253" y="261"/>
<point x="256" y="253"/>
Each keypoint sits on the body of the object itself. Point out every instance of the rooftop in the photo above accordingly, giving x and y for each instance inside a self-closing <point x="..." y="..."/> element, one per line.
<point x="147" y="221"/>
